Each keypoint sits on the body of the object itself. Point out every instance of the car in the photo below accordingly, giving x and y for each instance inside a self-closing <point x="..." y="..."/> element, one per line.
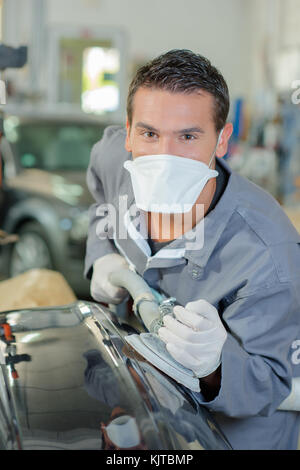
<point x="71" y="381"/>
<point x="44" y="196"/>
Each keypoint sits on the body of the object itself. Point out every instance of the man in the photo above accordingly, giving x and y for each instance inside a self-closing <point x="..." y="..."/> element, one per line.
<point x="234" y="266"/>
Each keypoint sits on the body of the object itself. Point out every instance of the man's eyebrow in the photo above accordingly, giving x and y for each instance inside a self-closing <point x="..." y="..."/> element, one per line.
<point x="150" y="128"/>
<point x="143" y="125"/>
<point x="190" y="129"/>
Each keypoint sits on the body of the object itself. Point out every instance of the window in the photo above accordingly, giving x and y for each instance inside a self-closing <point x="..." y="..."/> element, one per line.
<point x="87" y="70"/>
<point x="100" y="89"/>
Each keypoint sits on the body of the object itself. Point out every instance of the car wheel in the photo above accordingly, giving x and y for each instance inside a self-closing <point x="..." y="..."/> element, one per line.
<point x="30" y="251"/>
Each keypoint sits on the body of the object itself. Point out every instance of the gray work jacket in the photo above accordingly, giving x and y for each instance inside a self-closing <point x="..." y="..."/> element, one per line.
<point x="248" y="267"/>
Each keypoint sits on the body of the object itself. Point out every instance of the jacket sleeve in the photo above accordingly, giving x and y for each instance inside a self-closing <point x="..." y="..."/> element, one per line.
<point x="98" y="240"/>
<point x="256" y="367"/>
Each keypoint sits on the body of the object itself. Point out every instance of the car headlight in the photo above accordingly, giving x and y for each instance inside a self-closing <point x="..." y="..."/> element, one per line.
<point x="80" y="225"/>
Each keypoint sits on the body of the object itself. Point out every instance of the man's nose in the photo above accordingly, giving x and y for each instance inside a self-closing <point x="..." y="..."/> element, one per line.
<point x="167" y="146"/>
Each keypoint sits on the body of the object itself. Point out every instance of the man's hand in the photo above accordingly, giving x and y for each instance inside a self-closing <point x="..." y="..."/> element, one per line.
<point x="196" y="337"/>
<point x="102" y="289"/>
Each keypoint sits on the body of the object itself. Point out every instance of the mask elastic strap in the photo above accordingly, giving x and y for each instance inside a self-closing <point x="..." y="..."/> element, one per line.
<point x="214" y="152"/>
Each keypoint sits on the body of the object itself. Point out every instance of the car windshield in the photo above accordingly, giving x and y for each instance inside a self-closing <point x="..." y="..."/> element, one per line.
<point x="53" y="146"/>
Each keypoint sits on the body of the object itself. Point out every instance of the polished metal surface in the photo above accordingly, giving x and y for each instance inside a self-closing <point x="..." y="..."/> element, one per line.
<point x="71" y="377"/>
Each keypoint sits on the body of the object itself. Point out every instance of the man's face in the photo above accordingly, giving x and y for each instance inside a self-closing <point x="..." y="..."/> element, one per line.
<point x="175" y="124"/>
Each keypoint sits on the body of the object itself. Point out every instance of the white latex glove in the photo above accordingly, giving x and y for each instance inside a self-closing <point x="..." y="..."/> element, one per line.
<point x="102" y="289"/>
<point x="196" y="337"/>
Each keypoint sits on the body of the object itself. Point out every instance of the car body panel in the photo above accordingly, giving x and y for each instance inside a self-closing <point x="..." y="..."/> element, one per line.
<point x="74" y="374"/>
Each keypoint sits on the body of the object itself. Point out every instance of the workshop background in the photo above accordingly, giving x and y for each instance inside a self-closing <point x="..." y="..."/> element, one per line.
<point x="81" y="56"/>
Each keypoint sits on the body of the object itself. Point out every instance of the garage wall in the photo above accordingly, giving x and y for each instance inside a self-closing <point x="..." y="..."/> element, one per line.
<point x="218" y="29"/>
<point x="224" y="31"/>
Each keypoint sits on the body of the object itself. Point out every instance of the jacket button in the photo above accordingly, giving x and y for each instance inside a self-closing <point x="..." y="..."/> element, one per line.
<point x="195" y="273"/>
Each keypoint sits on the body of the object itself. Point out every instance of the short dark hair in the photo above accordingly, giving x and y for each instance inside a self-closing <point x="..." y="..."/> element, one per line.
<point x="181" y="70"/>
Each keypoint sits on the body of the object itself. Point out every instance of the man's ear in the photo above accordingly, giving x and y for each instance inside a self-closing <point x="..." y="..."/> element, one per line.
<point x="224" y="140"/>
<point x="127" y="141"/>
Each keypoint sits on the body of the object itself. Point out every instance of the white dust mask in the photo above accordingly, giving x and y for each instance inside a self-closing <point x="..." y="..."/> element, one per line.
<point x="167" y="183"/>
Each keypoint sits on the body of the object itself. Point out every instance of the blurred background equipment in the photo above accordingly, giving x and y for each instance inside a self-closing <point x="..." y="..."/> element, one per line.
<point x="11" y="57"/>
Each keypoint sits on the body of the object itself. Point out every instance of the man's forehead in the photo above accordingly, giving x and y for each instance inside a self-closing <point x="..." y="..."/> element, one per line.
<point x="152" y="107"/>
<point x="152" y="92"/>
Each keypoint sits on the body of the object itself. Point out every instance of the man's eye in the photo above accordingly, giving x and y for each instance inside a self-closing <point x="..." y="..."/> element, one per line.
<point x="149" y="134"/>
<point x="188" y="137"/>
